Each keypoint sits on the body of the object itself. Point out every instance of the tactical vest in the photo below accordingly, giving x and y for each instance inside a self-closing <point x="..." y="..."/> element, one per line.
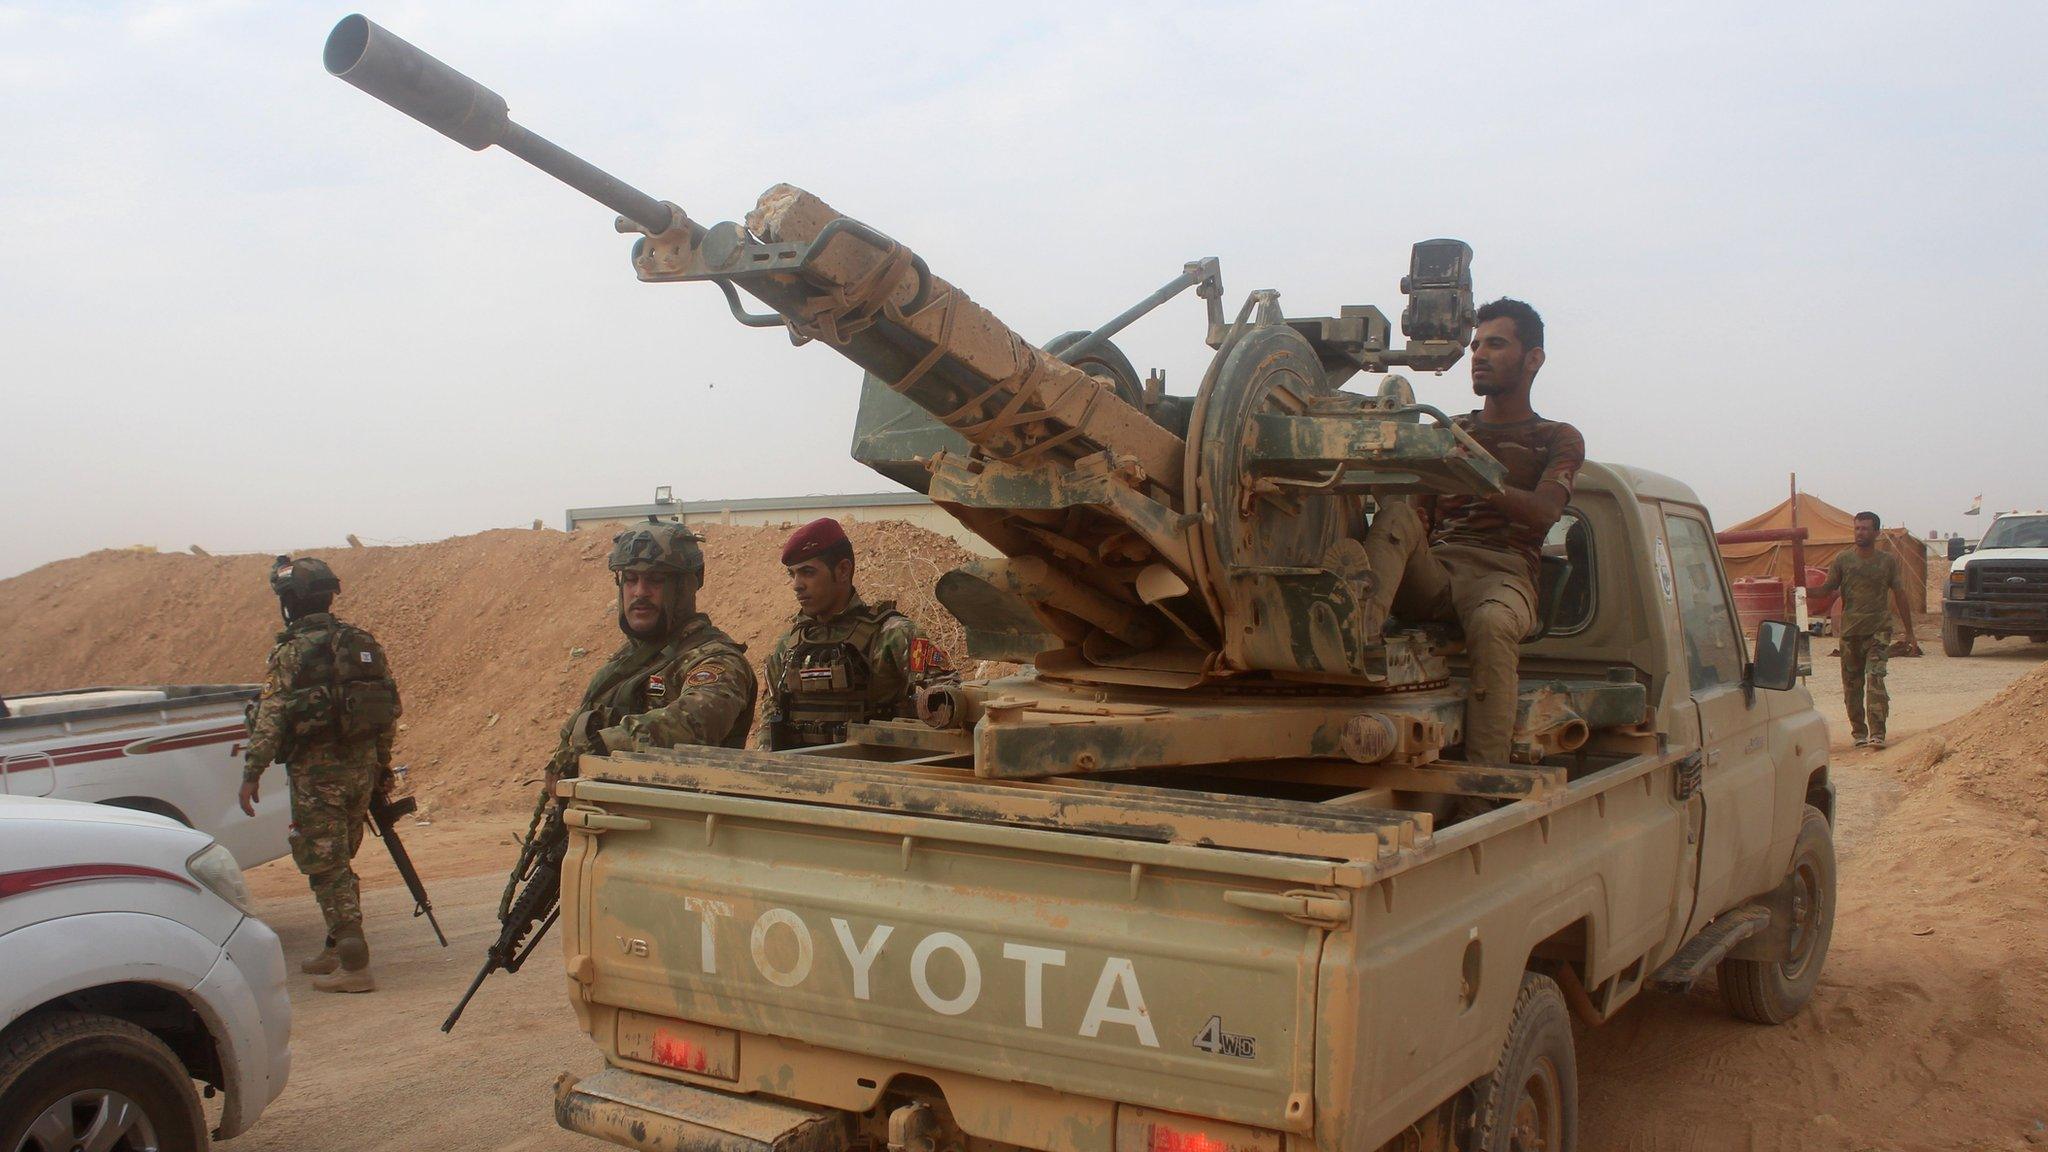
<point x="626" y="687"/>
<point x="343" y="692"/>
<point x="827" y="682"/>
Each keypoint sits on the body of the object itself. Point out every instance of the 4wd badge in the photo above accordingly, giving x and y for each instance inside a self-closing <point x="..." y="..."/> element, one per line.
<point x="1215" y="1041"/>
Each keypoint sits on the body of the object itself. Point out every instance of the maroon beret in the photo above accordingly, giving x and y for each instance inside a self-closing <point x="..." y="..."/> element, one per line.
<point x="811" y="539"/>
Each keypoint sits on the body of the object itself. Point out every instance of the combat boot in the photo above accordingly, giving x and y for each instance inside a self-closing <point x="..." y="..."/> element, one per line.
<point x="352" y="971"/>
<point x="323" y="963"/>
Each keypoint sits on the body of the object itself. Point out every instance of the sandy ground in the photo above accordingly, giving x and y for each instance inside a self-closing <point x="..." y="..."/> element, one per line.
<point x="374" y="1072"/>
<point x="1918" y="1039"/>
<point x="1926" y="690"/>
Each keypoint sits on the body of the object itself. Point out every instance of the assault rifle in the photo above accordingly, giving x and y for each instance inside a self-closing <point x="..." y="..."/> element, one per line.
<point x="532" y="896"/>
<point x="384" y="814"/>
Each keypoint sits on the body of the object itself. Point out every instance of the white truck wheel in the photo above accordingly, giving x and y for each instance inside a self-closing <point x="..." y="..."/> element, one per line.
<point x="74" y="1080"/>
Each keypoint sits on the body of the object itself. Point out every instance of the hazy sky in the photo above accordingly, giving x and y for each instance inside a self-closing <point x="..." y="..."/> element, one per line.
<point x="245" y="306"/>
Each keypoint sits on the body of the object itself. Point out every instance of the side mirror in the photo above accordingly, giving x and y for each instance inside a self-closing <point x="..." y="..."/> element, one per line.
<point x="1776" y="666"/>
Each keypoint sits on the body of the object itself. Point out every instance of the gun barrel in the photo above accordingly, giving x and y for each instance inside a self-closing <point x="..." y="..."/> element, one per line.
<point x="370" y="57"/>
<point x="484" y="973"/>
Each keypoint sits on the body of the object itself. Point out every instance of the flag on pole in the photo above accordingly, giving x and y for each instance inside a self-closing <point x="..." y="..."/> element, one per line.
<point x="1976" y="506"/>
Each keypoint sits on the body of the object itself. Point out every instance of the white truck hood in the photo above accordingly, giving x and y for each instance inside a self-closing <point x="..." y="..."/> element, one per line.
<point x="2003" y="554"/>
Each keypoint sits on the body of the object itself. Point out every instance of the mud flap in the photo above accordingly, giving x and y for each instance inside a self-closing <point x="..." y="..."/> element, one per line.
<point x="635" y="1111"/>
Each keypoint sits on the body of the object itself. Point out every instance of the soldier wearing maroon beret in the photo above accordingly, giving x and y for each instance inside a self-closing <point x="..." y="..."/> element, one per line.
<point x="843" y="660"/>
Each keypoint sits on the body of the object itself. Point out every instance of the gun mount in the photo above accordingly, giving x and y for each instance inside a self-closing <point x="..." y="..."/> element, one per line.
<point x="1149" y="541"/>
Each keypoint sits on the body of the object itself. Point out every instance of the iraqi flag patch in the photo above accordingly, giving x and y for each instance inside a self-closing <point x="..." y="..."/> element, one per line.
<point x="657" y="687"/>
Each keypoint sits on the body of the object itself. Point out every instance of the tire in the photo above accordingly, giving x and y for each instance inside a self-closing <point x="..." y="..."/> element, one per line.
<point x="1773" y="991"/>
<point x="62" y="1073"/>
<point x="1956" y="640"/>
<point x="1530" y="1102"/>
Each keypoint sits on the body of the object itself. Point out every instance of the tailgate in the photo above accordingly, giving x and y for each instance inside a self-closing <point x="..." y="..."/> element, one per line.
<point x="1158" y="974"/>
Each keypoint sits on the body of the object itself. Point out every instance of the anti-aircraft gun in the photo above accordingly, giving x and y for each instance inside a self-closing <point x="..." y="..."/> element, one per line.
<point x="1184" y="573"/>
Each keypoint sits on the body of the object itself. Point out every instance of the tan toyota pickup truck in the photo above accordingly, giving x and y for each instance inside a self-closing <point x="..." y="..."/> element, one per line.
<point x="1210" y="878"/>
<point x="791" y="953"/>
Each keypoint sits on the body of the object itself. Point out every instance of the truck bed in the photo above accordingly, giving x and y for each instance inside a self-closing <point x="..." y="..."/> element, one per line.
<point x="1062" y="933"/>
<point x="174" y="750"/>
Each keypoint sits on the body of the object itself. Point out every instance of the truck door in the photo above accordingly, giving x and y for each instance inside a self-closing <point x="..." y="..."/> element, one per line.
<point x="1733" y="809"/>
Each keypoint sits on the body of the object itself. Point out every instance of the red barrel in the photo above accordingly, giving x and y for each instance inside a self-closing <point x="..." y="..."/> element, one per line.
<point x="1759" y="598"/>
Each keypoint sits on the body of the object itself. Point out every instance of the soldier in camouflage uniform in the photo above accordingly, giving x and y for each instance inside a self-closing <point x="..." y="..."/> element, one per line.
<point x="842" y="661"/>
<point x="1477" y="559"/>
<point x="327" y="711"/>
<point x="678" y="680"/>
<point x="1867" y="579"/>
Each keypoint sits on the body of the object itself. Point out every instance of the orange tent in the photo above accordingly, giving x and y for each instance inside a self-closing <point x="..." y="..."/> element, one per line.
<point x="1828" y="531"/>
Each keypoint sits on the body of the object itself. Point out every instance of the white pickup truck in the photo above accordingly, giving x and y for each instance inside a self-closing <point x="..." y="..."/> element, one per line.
<point x="175" y="750"/>
<point x="2000" y="588"/>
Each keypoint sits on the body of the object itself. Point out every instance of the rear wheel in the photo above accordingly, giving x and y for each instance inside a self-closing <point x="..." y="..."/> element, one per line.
<point x="73" y="1080"/>
<point x="1531" y="1101"/>
<point x="1956" y="640"/>
<point x="1773" y="991"/>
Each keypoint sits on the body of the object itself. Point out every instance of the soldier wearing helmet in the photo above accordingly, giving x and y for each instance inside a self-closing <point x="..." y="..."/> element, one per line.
<point x="678" y="680"/>
<point x="843" y="660"/>
<point x="328" y="711"/>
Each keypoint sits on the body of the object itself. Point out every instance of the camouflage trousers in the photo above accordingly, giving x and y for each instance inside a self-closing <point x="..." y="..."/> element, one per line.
<point x="330" y="810"/>
<point x="1864" y="659"/>
<point x="1488" y="593"/>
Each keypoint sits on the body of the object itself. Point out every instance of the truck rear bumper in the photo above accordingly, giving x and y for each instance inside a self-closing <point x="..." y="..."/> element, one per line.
<point x="636" y="1111"/>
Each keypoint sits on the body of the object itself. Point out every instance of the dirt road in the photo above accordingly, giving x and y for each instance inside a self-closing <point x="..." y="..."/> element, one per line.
<point x="374" y="1072"/>
<point x="1927" y="1033"/>
<point x="1926" y="690"/>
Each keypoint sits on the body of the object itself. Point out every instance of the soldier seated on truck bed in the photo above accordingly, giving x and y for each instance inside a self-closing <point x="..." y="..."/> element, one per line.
<point x="1475" y="559"/>
<point x="842" y="661"/>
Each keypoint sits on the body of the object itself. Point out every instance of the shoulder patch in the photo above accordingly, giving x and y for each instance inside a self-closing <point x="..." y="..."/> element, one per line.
<point x="926" y="656"/>
<point x="701" y="676"/>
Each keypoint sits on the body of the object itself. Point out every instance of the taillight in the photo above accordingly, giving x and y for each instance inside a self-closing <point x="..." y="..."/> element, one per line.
<point x="1166" y="1139"/>
<point x="1145" y="1130"/>
<point x="683" y="1045"/>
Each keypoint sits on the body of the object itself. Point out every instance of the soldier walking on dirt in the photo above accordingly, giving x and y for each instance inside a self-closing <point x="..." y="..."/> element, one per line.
<point x="328" y="711"/>
<point x="843" y="660"/>
<point x="1867" y="578"/>
<point x="678" y="680"/>
<point x="1476" y="559"/>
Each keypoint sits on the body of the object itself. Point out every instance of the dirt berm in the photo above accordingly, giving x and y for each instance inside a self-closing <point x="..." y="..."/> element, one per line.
<point x="483" y="631"/>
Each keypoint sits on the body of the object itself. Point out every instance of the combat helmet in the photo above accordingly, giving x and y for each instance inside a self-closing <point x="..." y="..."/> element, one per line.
<point x="302" y="578"/>
<point x="658" y="546"/>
